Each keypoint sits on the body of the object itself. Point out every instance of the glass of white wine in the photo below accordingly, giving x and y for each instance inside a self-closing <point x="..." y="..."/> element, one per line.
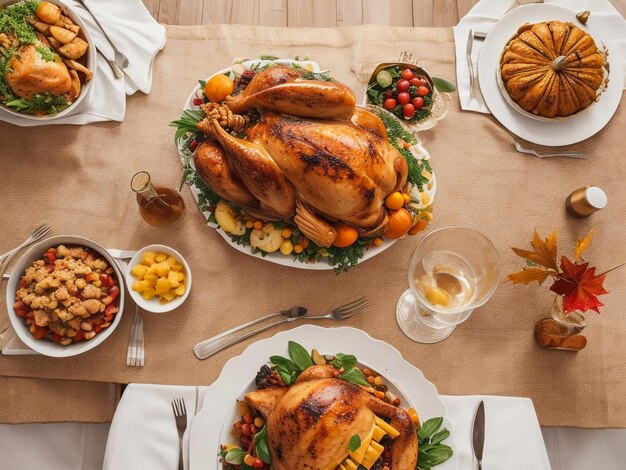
<point x="452" y="271"/>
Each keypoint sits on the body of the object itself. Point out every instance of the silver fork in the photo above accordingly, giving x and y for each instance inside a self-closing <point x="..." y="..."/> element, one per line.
<point x="39" y="233"/>
<point x="343" y="312"/>
<point x="523" y="149"/>
<point x="36" y="235"/>
<point x="120" y="59"/>
<point x="180" y="415"/>
<point x="135" y="353"/>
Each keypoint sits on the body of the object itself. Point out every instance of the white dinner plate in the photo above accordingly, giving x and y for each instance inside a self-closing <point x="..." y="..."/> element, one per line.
<point x="277" y="257"/>
<point x="210" y="427"/>
<point x="558" y="132"/>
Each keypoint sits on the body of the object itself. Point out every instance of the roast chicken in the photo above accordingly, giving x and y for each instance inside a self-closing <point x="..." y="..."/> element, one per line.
<point x="310" y="424"/>
<point x="30" y="74"/>
<point x="308" y="155"/>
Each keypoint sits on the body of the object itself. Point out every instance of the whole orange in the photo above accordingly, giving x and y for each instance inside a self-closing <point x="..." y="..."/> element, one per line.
<point x="399" y="223"/>
<point x="346" y="236"/>
<point x="218" y="88"/>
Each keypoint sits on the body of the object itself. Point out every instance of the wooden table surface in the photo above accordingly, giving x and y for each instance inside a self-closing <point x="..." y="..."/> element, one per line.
<point x="316" y="13"/>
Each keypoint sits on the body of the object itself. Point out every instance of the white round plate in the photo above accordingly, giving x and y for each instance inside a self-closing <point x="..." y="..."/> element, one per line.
<point x="558" y="132"/>
<point x="154" y="305"/>
<point x="211" y="426"/>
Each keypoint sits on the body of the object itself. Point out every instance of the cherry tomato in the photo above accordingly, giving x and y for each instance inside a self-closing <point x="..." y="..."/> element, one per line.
<point x="422" y="90"/>
<point x="114" y="292"/>
<point x="40" y="333"/>
<point x="404" y="98"/>
<point x="403" y="85"/>
<point x="388" y="94"/>
<point x="418" y="102"/>
<point x="407" y="74"/>
<point x="258" y="463"/>
<point x="409" y="111"/>
<point x="111" y="309"/>
<point x="415" y="81"/>
<point x="198" y="101"/>
<point x="389" y="103"/>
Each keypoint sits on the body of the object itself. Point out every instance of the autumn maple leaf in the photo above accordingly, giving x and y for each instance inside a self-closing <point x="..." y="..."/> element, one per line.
<point x="544" y="251"/>
<point x="582" y="245"/>
<point x="579" y="286"/>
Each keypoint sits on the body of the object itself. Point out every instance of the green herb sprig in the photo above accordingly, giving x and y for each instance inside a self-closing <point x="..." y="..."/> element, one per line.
<point x="14" y="21"/>
<point x="355" y="443"/>
<point x="431" y="451"/>
<point x="261" y="446"/>
<point x="51" y="104"/>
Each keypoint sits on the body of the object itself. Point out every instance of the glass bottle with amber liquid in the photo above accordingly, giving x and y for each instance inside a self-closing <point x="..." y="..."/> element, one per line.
<point x="158" y="205"/>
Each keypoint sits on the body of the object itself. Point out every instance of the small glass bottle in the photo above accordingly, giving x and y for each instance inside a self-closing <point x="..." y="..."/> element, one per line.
<point x="585" y="201"/>
<point x="158" y="205"/>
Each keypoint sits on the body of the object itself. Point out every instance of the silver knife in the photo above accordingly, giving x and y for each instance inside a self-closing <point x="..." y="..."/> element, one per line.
<point x="470" y="65"/>
<point x="478" y="434"/>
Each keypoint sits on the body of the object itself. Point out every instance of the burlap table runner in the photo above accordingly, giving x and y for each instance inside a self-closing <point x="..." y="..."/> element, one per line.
<point x="26" y="400"/>
<point x="77" y="178"/>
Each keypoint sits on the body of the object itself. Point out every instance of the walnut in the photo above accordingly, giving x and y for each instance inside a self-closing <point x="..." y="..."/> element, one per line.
<point x="224" y="116"/>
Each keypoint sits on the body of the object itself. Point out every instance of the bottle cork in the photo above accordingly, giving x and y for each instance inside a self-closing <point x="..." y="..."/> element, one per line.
<point x="585" y="201"/>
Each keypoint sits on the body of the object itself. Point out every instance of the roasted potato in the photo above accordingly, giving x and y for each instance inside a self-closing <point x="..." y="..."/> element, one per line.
<point x="75" y="88"/>
<point x="48" y="12"/>
<point x="42" y="27"/>
<point x="64" y="36"/>
<point x="53" y="42"/>
<point x="72" y="64"/>
<point x="75" y="49"/>
<point x="67" y="23"/>
<point x="43" y="40"/>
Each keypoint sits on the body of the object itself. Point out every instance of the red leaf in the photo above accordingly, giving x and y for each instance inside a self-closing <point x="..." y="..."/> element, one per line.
<point x="579" y="286"/>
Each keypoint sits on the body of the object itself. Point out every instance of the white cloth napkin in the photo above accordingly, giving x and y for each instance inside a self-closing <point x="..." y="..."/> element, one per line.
<point x="485" y="14"/>
<point x="143" y="432"/>
<point x="137" y="35"/>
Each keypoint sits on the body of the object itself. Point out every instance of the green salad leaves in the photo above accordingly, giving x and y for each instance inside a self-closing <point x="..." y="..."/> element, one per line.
<point x="431" y="451"/>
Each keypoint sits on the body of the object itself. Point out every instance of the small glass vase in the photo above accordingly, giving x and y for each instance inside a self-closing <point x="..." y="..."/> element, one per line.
<point x="561" y="331"/>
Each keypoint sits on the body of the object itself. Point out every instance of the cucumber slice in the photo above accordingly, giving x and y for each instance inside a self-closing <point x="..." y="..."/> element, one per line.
<point x="384" y="78"/>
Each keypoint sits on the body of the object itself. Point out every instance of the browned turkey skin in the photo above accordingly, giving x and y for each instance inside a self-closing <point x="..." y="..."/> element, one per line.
<point x="310" y="424"/>
<point x="340" y="166"/>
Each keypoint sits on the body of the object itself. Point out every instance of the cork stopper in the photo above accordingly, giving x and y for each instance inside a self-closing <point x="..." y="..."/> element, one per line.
<point x="585" y="201"/>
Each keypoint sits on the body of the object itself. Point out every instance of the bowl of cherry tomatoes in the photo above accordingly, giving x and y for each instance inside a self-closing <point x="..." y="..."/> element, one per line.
<point x="407" y="91"/>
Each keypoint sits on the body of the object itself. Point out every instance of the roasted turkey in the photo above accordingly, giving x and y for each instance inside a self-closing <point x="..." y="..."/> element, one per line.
<point x="310" y="424"/>
<point x="308" y="155"/>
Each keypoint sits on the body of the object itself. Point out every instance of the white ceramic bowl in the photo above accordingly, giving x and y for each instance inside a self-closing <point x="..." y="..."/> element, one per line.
<point x="154" y="305"/>
<point x="91" y="64"/>
<point x="46" y="347"/>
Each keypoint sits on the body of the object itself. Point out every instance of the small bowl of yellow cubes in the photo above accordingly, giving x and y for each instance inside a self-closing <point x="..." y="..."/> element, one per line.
<point x="158" y="279"/>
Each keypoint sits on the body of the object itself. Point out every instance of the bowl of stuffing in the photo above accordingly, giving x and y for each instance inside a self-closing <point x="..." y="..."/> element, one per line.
<point x="47" y="59"/>
<point x="65" y="296"/>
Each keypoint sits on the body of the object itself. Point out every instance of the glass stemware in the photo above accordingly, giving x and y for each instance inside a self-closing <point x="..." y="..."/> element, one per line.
<point x="452" y="271"/>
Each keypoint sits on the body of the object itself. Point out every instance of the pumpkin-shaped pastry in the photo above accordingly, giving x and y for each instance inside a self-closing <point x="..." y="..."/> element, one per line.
<point x="553" y="69"/>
